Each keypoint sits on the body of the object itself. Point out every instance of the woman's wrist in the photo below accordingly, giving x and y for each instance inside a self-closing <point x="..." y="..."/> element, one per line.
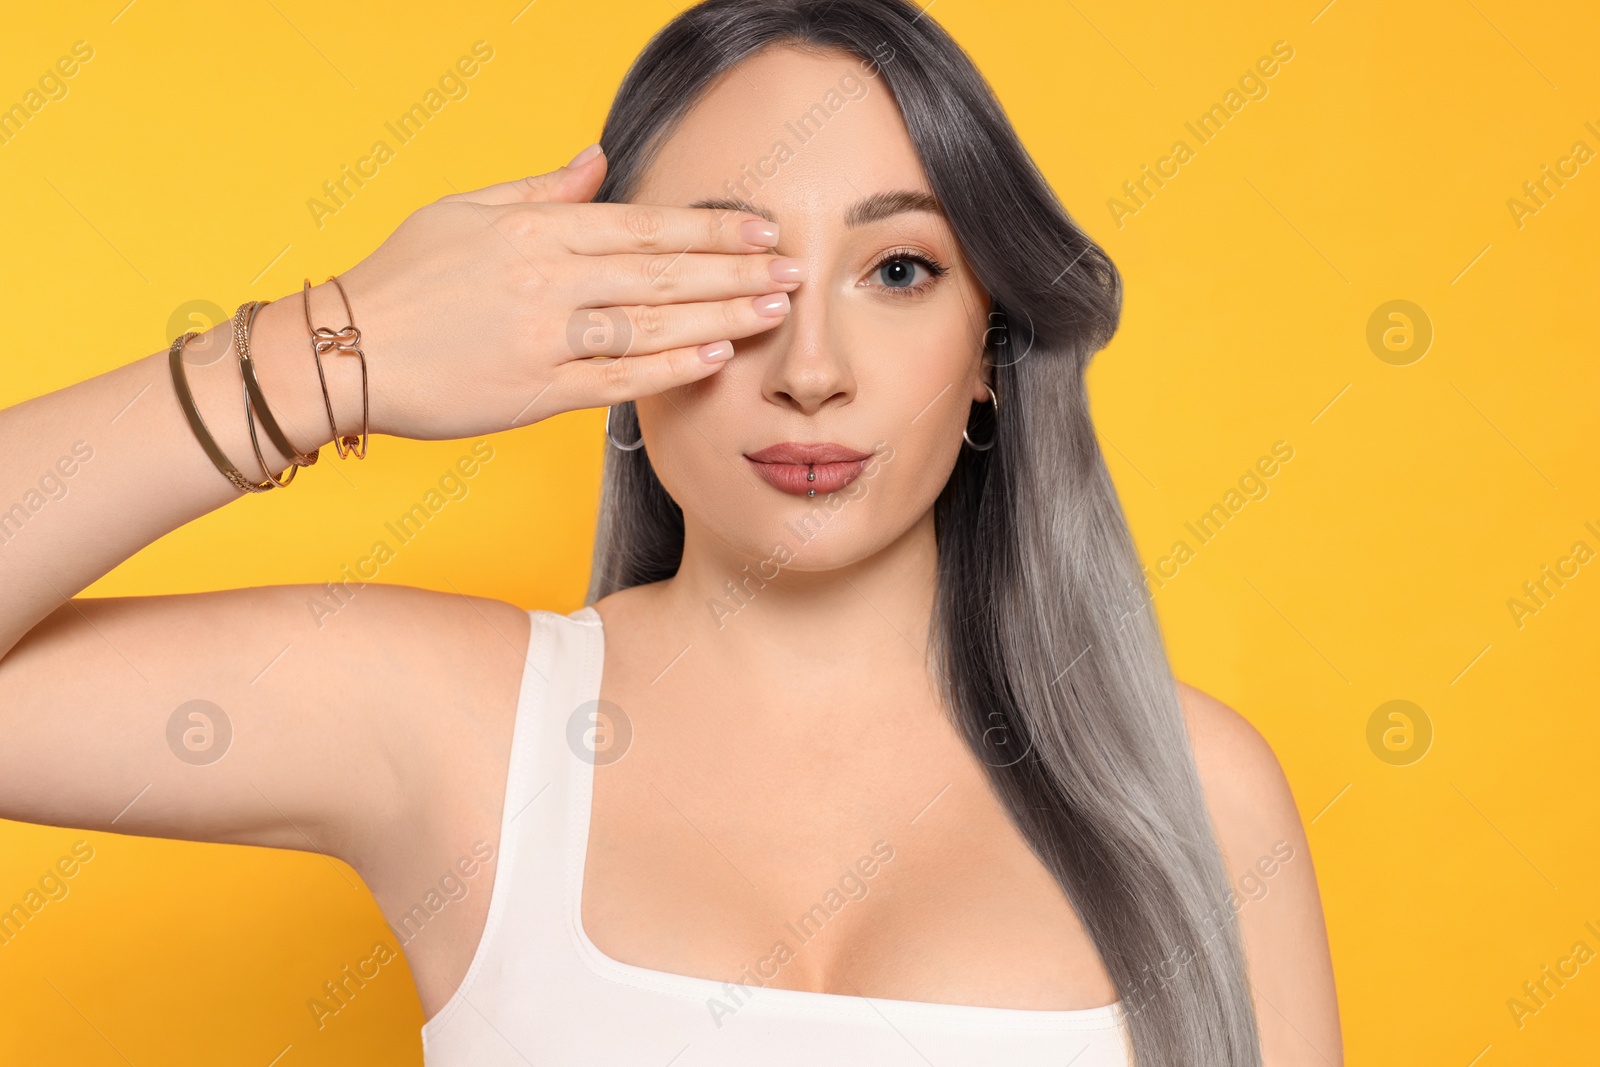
<point x="280" y="348"/>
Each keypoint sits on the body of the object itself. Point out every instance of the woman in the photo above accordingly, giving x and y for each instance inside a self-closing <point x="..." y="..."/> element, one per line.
<point x="890" y="765"/>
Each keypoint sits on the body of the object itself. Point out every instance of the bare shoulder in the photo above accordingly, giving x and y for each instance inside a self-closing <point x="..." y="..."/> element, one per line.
<point x="456" y="662"/>
<point x="451" y="668"/>
<point x="1236" y="764"/>
<point x="442" y="671"/>
<point x="451" y="624"/>
<point x="1272" y="883"/>
<point x="1247" y="794"/>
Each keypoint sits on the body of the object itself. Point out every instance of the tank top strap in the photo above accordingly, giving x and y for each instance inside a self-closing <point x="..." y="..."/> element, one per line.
<point x="526" y="928"/>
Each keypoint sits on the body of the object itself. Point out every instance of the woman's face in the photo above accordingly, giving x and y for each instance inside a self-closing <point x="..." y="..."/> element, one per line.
<point x="879" y="353"/>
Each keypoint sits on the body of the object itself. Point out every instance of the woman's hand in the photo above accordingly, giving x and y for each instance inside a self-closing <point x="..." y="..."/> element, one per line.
<point x="483" y="310"/>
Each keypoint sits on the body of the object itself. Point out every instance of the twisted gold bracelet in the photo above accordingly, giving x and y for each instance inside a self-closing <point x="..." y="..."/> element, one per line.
<point x="255" y="400"/>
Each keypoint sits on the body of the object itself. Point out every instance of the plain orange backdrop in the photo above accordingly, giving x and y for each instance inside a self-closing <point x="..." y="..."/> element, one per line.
<point x="1442" y="450"/>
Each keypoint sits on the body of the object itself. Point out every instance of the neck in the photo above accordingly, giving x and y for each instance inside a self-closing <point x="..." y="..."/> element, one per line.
<point x="778" y="619"/>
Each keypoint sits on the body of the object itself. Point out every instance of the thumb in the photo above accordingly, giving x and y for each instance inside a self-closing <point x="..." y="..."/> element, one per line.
<point x="574" y="183"/>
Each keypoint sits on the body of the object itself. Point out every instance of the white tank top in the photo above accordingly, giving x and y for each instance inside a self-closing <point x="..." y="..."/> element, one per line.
<point x="538" y="991"/>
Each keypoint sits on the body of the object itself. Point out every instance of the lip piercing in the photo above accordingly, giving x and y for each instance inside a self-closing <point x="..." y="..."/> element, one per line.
<point x="811" y="476"/>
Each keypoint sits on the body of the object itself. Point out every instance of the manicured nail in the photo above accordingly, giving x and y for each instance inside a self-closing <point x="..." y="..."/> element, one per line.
<point x="583" y="157"/>
<point x="716" y="351"/>
<point x="759" y="232"/>
<point x="772" y="306"/>
<point x="787" y="269"/>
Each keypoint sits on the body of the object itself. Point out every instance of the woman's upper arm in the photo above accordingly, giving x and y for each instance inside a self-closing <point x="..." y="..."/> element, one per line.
<point x="1273" y="882"/>
<point x="292" y="716"/>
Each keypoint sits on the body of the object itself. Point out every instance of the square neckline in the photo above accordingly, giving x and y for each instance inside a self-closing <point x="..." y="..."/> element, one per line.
<point x="579" y="818"/>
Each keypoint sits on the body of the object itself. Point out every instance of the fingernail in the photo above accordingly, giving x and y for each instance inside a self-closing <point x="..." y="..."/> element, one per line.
<point x="759" y="232"/>
<point x="787" y="269"/>
<point x="772" y="306"/>
<point x="716" y="351"/>
<point x="583" y="157"/>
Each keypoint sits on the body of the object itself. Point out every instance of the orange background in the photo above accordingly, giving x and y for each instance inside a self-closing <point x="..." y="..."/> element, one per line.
<point x="1426" y="484"/>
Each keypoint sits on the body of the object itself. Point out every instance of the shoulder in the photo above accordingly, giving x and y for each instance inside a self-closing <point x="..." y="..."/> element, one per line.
<point x="444" y="670"/>
<point x="1235" y="762"/>
<point x="1252" y="808"/>
<point x="438" y="676"/>
<point x="436" y="640"/>
<point x="407" y="612"/>
<point x="1271" y="882"/>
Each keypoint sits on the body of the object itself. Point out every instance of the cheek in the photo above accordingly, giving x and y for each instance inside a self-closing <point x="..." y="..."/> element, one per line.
<point x="916" y="371"/>
<point x="681" y="427"/>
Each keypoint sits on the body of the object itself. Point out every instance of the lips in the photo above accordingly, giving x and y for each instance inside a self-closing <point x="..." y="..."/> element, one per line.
<point x="808" y="469"/>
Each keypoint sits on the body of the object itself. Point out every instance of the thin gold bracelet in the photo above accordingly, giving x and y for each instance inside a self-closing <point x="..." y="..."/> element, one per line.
<point x="242" y="321"/>
<point x="180" y="385"/>
<point x="347" y="341"/>
<point x="258" y="399"/>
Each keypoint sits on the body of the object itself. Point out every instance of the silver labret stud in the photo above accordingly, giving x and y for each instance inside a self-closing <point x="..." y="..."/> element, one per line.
<point x="811" y="476"/>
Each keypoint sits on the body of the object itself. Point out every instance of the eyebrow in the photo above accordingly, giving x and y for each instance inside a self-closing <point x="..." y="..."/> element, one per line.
<point x="871" y="209"/>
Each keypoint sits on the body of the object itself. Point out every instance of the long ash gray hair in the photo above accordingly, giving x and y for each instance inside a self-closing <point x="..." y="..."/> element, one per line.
<point x="1042" y="639"/>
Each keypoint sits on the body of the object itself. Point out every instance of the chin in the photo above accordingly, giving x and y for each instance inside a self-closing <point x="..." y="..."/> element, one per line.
<point x="826" y="535"/>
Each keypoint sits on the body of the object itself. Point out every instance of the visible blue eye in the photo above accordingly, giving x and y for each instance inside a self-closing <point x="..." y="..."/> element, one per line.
<point x="898" y="273"/>
<point x="897" y="270"/>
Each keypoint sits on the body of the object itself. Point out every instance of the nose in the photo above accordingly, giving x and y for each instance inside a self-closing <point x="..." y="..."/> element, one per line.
<point x="809" y="368"/>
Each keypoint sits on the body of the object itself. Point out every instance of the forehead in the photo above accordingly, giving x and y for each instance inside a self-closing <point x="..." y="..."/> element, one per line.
<point x="805" y="134"/>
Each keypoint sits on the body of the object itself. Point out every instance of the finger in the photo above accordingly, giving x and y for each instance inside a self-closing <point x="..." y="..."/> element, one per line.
<point x="670" y="278"/>
<point x="612" y="381"/>
<point x="567" y="184"/>
<point x="609" y="229"/>
<point x="645" y="328"/>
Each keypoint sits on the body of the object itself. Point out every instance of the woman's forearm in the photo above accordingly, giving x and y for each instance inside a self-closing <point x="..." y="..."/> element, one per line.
<point x="476" y="314"/>
<point x="92" y="473"/>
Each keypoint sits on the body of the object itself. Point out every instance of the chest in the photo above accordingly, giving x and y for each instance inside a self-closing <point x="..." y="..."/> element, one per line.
<point x="852" y="850"/>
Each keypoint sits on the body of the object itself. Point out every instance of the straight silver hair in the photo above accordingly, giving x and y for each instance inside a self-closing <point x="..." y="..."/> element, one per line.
<point x="1042" y="637"/>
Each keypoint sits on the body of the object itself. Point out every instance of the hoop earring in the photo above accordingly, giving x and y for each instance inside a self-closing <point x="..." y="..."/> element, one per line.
<point x="614" y="442"/>
<point x="995" y="397"/>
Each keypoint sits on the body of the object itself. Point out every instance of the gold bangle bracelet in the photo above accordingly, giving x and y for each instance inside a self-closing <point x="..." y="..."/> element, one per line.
<point x="347" y="341"/>
<point x="180" y="385"/>
<point x="242" y="321"/>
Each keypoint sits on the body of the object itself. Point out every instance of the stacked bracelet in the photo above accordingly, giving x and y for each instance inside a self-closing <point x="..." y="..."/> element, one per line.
<point x="255" y="402"/>
<point x="180" y="384"/>
<point x="346" y="340"/>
